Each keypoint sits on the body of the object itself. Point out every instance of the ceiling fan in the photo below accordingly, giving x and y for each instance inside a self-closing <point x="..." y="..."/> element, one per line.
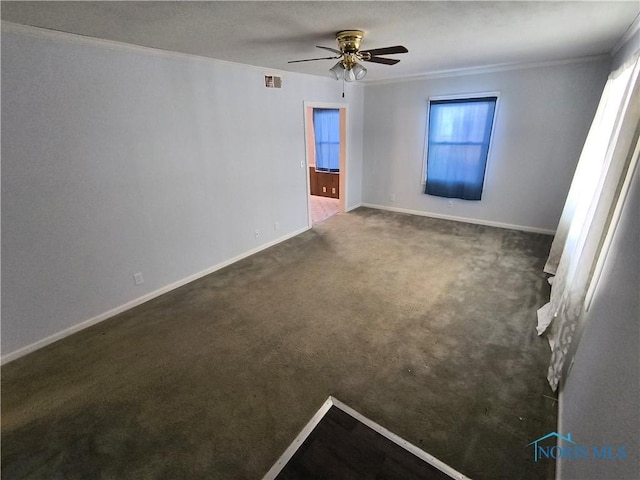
<point x="349" y="54"/>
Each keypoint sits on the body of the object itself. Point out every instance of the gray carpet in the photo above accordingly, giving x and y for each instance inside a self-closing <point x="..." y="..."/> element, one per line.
<point x="425" y="326"/>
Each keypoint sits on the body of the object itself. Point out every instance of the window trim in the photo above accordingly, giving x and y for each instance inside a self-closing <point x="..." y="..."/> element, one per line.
<point x="458" y="96"/>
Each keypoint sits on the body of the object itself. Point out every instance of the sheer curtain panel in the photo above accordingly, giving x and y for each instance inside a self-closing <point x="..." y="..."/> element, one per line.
<point x="607" y="160"/>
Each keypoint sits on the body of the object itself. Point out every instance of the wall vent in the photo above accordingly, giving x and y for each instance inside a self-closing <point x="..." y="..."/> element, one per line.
<point x="271" y="81"/>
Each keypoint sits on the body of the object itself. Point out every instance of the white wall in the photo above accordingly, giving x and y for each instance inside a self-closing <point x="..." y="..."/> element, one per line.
<point x="355" y="146"/>
<point x="119" y="159"/>
<point x="543" y="117"/>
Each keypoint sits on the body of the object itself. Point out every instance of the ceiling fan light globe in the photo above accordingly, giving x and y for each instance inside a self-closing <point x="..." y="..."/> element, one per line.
<point x="349" y="75"/>
<point x="336" y="70"/>
<point x="359" y="71"/>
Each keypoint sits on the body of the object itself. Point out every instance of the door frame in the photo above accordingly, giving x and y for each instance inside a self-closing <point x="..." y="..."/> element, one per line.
<point x="344" y="111"/>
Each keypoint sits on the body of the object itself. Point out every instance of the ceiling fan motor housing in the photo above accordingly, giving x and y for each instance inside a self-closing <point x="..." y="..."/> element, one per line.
<point x="349" y="40"/>
<point x="348" y="66"/>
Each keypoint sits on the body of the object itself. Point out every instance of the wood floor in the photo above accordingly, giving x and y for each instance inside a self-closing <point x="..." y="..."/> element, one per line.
<point x="323" y="208"/>
<point x="340" y="447"/>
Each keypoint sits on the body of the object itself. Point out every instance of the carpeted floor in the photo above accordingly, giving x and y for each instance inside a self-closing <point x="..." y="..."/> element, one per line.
<point x="425" y="326"/>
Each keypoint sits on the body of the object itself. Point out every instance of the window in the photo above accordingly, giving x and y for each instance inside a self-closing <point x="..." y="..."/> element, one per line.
<point x="326" y="130"/>
<point x="457" y="146"/>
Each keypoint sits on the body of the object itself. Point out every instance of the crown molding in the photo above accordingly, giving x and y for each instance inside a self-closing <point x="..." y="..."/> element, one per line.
<point x="501" y="67"/>
<point x="57" y="35"/>
<point x="631" y="31"/>
<point x="62" y="36"/>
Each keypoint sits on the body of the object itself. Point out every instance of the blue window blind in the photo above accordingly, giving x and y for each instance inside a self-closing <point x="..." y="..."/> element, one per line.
<point x="326" y="129"/>
<point x="458" y="145"/>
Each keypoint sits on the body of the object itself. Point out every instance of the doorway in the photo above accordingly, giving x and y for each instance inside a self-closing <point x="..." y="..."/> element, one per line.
<point x="325" y="138"/>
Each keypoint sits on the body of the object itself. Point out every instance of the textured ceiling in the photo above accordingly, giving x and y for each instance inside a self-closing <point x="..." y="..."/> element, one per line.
<point x="439" y="35"/>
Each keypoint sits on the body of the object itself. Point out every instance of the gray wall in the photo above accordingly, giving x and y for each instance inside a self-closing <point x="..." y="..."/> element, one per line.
<point x="599" y="401"/>
<point x="119" y="160"/>
<point x="541" y="123"/>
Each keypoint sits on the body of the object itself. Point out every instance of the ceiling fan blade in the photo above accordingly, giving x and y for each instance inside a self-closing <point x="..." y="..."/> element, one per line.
<point x="313" y="59"/>
<point x="386" y="51"/>
<point x="385" y="61"/>
<point x="330" y="49"/>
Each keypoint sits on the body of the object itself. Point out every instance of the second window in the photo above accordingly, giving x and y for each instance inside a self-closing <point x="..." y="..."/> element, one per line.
<point x="458" y="139"/>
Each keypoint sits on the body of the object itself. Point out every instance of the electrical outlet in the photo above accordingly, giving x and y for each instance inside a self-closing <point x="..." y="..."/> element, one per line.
<point x="276" y="226"/>
<point x="449" y="204"/>
<point x="257" y="233"/>
<point x="138" y="279"/>
<point x="392" y="197"/>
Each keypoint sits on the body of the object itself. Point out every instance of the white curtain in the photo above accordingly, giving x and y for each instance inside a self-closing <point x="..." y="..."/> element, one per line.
<point x="604" y="164"/>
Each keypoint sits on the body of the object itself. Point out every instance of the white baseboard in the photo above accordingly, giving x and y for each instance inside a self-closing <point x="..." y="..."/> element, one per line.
<point x="352" y="207"/>
<point x="288" y="454"/>
<point x="137" y="301"/>
<point x="475" y="221"/>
